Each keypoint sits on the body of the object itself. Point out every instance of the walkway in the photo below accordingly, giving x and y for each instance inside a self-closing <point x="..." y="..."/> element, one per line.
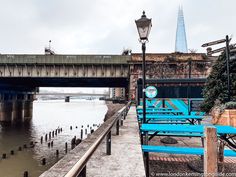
<point x="126" y="158"/>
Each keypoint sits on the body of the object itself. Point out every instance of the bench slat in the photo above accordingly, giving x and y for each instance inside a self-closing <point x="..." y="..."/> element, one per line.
<point x="177" y="134"/>
<point x="182" y="150"/>
<point x="221" y="129"/>
<point x="153" y="116"/>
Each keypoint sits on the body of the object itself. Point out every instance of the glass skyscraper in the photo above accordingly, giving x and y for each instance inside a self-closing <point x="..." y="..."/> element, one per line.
<point x="180" y="40"/>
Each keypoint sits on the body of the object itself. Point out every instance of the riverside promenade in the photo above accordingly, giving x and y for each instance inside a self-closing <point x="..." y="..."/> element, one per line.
<point x="125" y="160"/>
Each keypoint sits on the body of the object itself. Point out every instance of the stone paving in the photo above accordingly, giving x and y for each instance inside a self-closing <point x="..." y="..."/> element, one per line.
<point x="126" y="158"/>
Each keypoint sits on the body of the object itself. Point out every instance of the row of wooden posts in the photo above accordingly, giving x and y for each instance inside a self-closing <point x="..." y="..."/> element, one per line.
<point x="74" y="141"/>
<point x="12" y="152"/>
<point x="49" y="136"/>
<point x="32" y="144"/>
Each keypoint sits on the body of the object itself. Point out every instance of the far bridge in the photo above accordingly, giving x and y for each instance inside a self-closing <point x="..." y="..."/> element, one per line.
<point x="73" y="94"/>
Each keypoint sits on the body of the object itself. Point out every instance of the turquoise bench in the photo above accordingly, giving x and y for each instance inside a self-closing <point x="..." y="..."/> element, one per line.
<point x="175" y="134"/>
<point x="160" y="112"/>
<point x="221" y="129"/>
<point x="160" y="116"/>
<point x="187" y="118"/>
<point x="155" y="109"/>
<point x="169" y="122"/>
<point x="180" y="105"/>
<point x="152" y="130"/>
<point x="182" y="150"/>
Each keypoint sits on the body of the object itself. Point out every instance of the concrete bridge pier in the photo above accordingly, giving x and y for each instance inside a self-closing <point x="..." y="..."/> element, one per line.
<point x="28" y="110"/>
<point x="16" y="107"/>
<point x="6" y="111"/>
<point x="17" y="111"/>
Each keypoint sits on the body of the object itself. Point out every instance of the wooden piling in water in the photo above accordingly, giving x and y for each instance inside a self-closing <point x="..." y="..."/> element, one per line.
<point x="46" y="137"/>
<point x="32" y="144"/>
<point x="20" y="148"/>
<point x="12" y="152"/>
<point x="4" y="156"/>
<point x="66" y="147"/>
<point x="70" y="127"/>
<point x="26" y="174"/>
<point x="43" y="161"/>
<point x="57" y="152"/>
<point x="81" y="134"/>
<point x="41" y="140"/>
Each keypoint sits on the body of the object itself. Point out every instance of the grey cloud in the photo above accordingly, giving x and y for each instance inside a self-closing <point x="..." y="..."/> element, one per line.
<point x="105" y="26"/>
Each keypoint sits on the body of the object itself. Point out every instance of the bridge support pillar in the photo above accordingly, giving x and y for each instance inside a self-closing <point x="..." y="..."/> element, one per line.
<point x="16" y="107"/>
<point x="18" y="111"/>
<point x="6" y="111"/>
<point x="28" y="110"/>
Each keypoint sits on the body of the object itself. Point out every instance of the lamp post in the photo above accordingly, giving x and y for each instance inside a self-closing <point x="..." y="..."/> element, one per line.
<point x="144" y="25"/>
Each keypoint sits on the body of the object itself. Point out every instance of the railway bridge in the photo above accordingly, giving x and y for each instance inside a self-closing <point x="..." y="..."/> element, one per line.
<point x="22" y="75"/>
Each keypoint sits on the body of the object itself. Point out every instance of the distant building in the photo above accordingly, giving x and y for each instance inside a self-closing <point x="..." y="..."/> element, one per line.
<point x="181" y="40"/>
<point x="117" y="92"/>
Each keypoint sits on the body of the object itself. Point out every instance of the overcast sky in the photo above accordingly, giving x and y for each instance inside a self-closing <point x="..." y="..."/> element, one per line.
<point x="107" y="26"/>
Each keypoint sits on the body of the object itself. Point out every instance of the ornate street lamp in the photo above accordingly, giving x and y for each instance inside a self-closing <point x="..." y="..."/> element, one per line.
<point x="144" y="25"/>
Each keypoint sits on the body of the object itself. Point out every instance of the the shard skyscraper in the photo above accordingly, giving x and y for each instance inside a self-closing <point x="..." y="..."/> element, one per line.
<point x="180" y="40"/>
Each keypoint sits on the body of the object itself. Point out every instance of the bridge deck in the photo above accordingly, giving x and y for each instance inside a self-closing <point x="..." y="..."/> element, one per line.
<point x="126" y="154"/>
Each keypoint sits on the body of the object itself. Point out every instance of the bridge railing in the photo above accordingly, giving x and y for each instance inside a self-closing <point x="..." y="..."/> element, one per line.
<point x="74" y="165"/>
<point x="64" y="59"/>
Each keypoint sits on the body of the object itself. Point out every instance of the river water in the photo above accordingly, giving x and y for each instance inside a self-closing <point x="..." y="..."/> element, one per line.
<point x="47" y="116"/>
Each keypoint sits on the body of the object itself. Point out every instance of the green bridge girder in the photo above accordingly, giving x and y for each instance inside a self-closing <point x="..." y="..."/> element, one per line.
<point x="64" y="59"/>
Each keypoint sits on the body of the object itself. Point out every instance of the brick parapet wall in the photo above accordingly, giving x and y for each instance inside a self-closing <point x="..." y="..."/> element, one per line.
<point x="163" y="66"/>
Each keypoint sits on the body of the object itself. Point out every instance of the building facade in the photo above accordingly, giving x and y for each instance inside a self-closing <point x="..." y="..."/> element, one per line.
<point x="168" y="65"/>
